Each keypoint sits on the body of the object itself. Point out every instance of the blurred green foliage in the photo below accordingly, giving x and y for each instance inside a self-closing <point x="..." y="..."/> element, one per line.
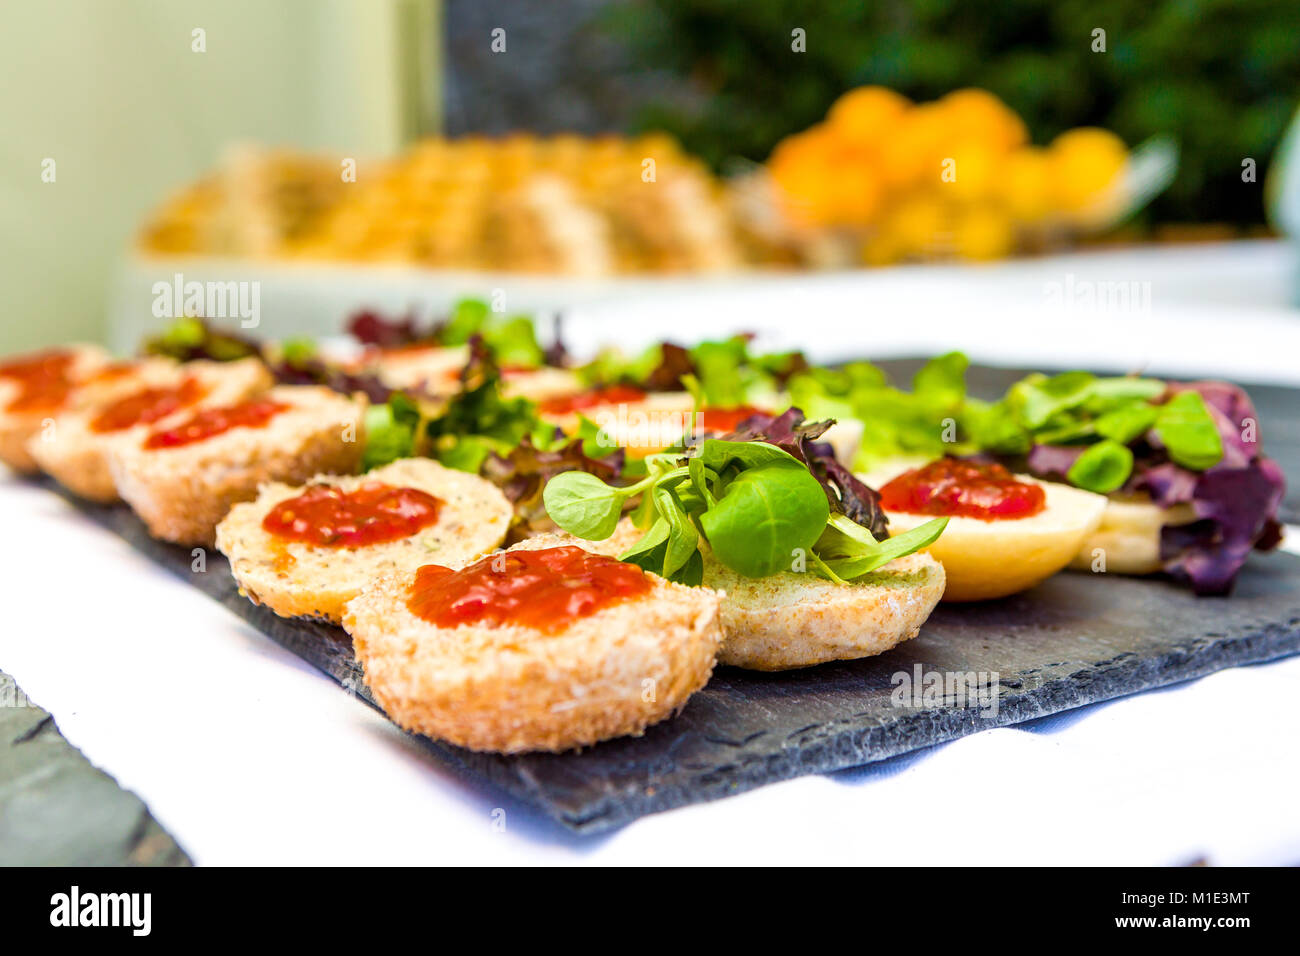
<point x="1220" y="75"/>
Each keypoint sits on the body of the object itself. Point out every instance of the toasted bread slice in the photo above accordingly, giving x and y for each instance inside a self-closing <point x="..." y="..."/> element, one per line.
<point x="23" y="414"/>
<point x="793" y="620"/>
<point x="539" y="384"/>
<point x="75" y="453"/>
<point x="992" y="559"/>
<point x="182" y="492"/>
<point x="512" y="689"/>
<point x="796" y="620"/>
<point x="298" y="579"/>
<point x="653" y="422"/>
<point x="433" y="368"/>
<point x="1127" y="539"/>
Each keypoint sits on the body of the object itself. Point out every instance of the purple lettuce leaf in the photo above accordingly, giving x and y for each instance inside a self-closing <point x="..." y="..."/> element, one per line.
<point x="1236" y="512"/>
<point x="1235" y="502"/>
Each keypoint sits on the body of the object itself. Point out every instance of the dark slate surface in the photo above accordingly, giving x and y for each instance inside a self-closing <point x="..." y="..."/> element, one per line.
<point x="1075" y="640"/>
<point x="57" y="809"/>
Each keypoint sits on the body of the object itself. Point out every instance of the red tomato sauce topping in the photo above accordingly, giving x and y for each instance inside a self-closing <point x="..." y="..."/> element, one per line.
<point x="964" y="489"/>
<point x="44" y="380"/>
<point x="594" y="398"/>
<point x="211" y="422"/>
<point x="147" y="406"/>
<point x="720" y="421"/>
<point x="329" y="517"/>
<point x="546" y="590"/>
<point x="112" y="371"/>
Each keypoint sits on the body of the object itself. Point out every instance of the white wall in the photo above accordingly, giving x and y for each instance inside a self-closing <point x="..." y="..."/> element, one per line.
<point x="112" y="91"/>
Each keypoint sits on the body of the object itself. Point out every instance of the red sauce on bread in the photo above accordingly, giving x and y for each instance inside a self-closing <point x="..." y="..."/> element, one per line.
<point x="593" y="398"/>
<point x="963" y="489"/>
<point x="113" y="371"/>
<point x="147" y="406"/>
<point x="546" y="590"/>
<point x="329" y="517"/>
<point x="44" y="380"/>
<point x="720" y="421"/>
<point x="210" y="422"/>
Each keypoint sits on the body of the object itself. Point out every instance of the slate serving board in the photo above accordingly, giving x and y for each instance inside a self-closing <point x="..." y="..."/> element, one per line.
<point x="1074" y="640"/>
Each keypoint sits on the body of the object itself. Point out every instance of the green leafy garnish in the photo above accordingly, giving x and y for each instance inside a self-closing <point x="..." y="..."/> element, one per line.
<point x="765" y="517"/>
<point x="848" y="553"/>
<point x="755" y="507"/>
<point x="460" y="431"/>
<point x="1103" y="467"/>
<point x="1188" y="433"/>
<point x="583" y="505"/>
<point x="390" y="432"/>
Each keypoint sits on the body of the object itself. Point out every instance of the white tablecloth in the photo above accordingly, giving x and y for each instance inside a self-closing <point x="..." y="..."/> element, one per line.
<point x="249" y="756"/>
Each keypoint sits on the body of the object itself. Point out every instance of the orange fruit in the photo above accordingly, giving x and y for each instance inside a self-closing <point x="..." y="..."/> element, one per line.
<point x="1086" y="164"/>
<point x="983" y="232"/>
<point x="866" y="115"/>
<point x="977" y="115"/>
<point x="918" y="225"/>
<point x="913" y="153"/>
<point x="974" y="172"/>
<point x="1024" y="184"/>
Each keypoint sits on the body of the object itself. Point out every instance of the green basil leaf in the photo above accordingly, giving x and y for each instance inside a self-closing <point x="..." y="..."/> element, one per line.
<point x="683" y="538"/>
<point x="583" y="505"/>
<point x="1036" y="398"/>
<point x="650" y="542"/>
<point x="468" y="316"/>
<point x="1109" y="393"/>
<point x="595" y="444"/>
<point x="764" y="515"/>
<point x="692" y="572"/>
<point x="900" y="545"/>
<point x="1188" y="432"/>
<point x="514" y="342"/>
<point x="718" y="454"/>
<point x="700" y="477"/>
<point x="468" y="452"/>
<point x="994" y="427"/>
<point x="942" y="380"/>
<point x="852" y="530"/>
<point x="387" y="439"/>
<point x="719" y="367"/>
<point x="1102" y="468"/>
<point x="1126" y="423"/>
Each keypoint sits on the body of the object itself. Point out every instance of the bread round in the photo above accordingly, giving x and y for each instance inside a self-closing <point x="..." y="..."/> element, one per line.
<point x="540" y="384"/>
<point x="514" y="689"/>
<point x="992" y="559"/>
<point x="76" y="456"/>
<point x="182" y="493"/>
<point x="17" y="428"/>
<point x="645" y="426"/>
<point x="297" y="579"/>
<point x="434" y="369"/>
<point x="1127" y="540"/>
<point x="625" y="535"/>
<point x="794" y="619"/>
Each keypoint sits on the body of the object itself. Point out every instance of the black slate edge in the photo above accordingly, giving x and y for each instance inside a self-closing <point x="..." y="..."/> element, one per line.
<point x="839" y="750"/>
<point x="823" y="747"/>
